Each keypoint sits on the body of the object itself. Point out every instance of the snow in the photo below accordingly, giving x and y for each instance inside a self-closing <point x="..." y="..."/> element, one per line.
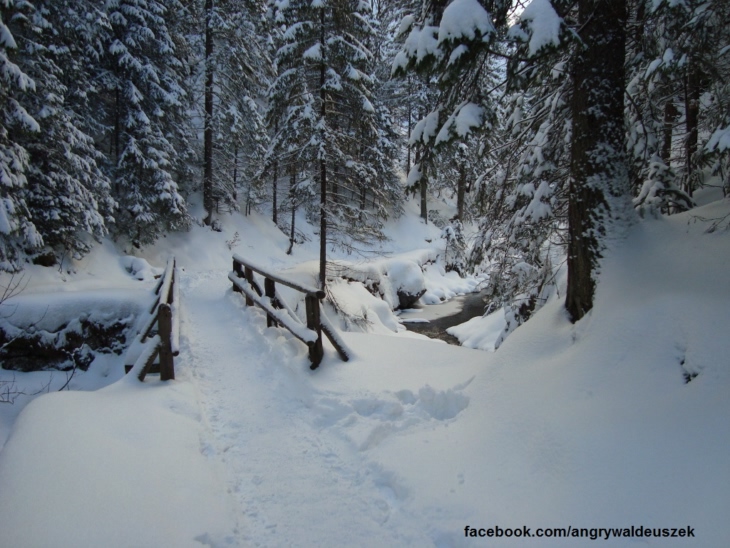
<point x="425" y="129"/>
<point x="314" y="53"/>
<point x="466" y="117"/>
<point x="588" y="425"/>
<point x="543" y="24"/>
<point x="719" y="140"/>
<point x="481" y="332"/>
<point x="465" y="19"/>
<point x="81" y="462"/>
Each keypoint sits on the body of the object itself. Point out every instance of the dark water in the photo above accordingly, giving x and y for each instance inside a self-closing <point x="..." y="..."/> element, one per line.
<point x="436" y="329"/>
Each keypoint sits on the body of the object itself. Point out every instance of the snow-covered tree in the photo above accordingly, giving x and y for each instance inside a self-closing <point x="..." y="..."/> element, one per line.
<point x="451" y="46"/>
<point x="67" y="194"/>
<point x="323" y="114"/>
<point x="144" y="96"/>
<point x="237" y="71"/>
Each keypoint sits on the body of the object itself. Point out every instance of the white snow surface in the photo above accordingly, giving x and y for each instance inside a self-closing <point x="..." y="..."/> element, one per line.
<point x="543" y="24"/>
<point x="465" y="19"/>
<point x="588" y="425"/>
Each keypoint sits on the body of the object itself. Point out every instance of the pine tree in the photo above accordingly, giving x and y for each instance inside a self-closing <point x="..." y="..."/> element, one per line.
<point x="321" y="105"/>
<point x="17" y="232"/>
<point x="67" y="194"/>
<point x="451" y="46"/>
<point x="144" y="93"/>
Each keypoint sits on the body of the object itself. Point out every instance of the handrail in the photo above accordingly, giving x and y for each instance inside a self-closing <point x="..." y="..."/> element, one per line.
<point x="163" y="316"/>
<point x="278" y="312"/>
<point x="302" y="288"/>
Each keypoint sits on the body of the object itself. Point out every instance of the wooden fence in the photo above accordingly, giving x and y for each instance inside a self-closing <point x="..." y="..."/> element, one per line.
<point x="279" y="313"/>
<point x="159" y="336"/>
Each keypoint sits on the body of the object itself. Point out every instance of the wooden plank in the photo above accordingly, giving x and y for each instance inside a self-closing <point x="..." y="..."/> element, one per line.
<point x="248" y="276"/>
<point x="307" y="336"/>
<point x="175" y="340"/>
<point x="302" y="288"/>
<point x="286" y="307"/>
<point x="167" y="366"/>
<point x="165" y="287"/>
<point x="238" y="269"/>
<point x="148" y="363"/>
<point x="144" y="361"/>
<point x="270" y="292"/>
<point x="328" y="329"/>
<point x="149" y="325"/>
<point x="316" y="351"/>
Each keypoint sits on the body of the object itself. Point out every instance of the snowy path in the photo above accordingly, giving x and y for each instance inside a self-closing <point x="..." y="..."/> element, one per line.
<point x="295" y="482"/>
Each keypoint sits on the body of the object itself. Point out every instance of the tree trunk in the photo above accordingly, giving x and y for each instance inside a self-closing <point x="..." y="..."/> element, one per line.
<point x="292" y="183"/>
<point x="670" y="115"/>
<point x="274" y="205"/>
<point x="461" y="193"/>
<point x="208" y="130"/>
<point x="424" y="188"/>
<point x="692" y="113"/>
<point x="322" y="166"/>
<point x="598" y="165"/>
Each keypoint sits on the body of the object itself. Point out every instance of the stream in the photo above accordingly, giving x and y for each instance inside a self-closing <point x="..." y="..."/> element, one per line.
<point x="434" y="320"/>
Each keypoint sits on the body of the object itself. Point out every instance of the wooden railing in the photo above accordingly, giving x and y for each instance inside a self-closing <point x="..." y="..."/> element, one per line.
<point x="279" y="313"/>
<point x="159" y="336"/>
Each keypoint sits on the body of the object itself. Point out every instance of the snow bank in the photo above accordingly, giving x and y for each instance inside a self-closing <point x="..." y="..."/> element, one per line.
<point x="481" y="332"/>
<point x="118" y="467"/>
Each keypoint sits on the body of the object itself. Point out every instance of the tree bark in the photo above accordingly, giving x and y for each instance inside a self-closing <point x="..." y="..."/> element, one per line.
<point x="274" y="205"/>
<point x="292" y="183"/>
<point x="322" y="166"/>
<point x="208" y="198"/>
<point x="692" y="114"/>
<point x="598" y="164"/>
<point x="670" y="115"/>
<point x="461" y="193"/>
<point x="424" y="187"/>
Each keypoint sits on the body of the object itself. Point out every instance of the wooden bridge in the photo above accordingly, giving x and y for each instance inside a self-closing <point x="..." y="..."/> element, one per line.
<point x="279" y="313"/>
<point x="159" y="336"/>
<point x="158" y="341"/>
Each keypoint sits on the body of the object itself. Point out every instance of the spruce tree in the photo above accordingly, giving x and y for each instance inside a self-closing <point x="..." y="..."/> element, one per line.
<point x="145" y="98"/>
<point x="17" y="231"/>
<point x="322" y="108"/>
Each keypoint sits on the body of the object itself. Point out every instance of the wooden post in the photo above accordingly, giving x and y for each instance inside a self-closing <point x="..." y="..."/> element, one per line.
<point x="239" y="272"/>
<point x="168" y="298"/>
<point x="167" y="367"/>
<point x="316" y="352"/>
<point x="270" y="291"/>
<point x="248" y="274"/>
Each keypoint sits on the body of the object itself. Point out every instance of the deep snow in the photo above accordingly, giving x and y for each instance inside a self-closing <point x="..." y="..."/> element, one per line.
<point x="590" y="425"/>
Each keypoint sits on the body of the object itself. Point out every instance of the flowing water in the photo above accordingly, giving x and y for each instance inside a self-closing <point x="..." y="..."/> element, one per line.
<point x="434" y="320"/>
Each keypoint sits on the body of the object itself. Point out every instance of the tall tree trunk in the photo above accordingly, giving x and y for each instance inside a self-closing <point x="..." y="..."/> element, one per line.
<point x="598" y="164"/>
<point x="692" y="114"/>
<point x="670" y="115"/>
<point x="461" y="193"/>
<point x="292" y="183"/>
<point x="274" y="205"/>
<point x="116" y="139"/>
<point x="322" y="166"/>
<point x="235" y="171"/>
<point x="274" y="182"/>
<point x="208" y="130"/>
<point x="410" y="118"/>
<point x="424" y="186"/>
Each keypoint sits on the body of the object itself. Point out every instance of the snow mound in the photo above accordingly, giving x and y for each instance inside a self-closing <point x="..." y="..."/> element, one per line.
<point x="140" y="269"/>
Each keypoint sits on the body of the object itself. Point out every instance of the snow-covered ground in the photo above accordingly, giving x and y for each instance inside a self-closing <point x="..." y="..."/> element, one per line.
<point x="592" y="425"/>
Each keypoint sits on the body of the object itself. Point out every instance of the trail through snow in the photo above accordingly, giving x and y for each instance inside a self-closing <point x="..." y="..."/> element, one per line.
<point x="294" y="482"/>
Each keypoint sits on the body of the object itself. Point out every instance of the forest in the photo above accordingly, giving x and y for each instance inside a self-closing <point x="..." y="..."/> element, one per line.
<point x="364" y="167"/>
<point x="551" y="123"/>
